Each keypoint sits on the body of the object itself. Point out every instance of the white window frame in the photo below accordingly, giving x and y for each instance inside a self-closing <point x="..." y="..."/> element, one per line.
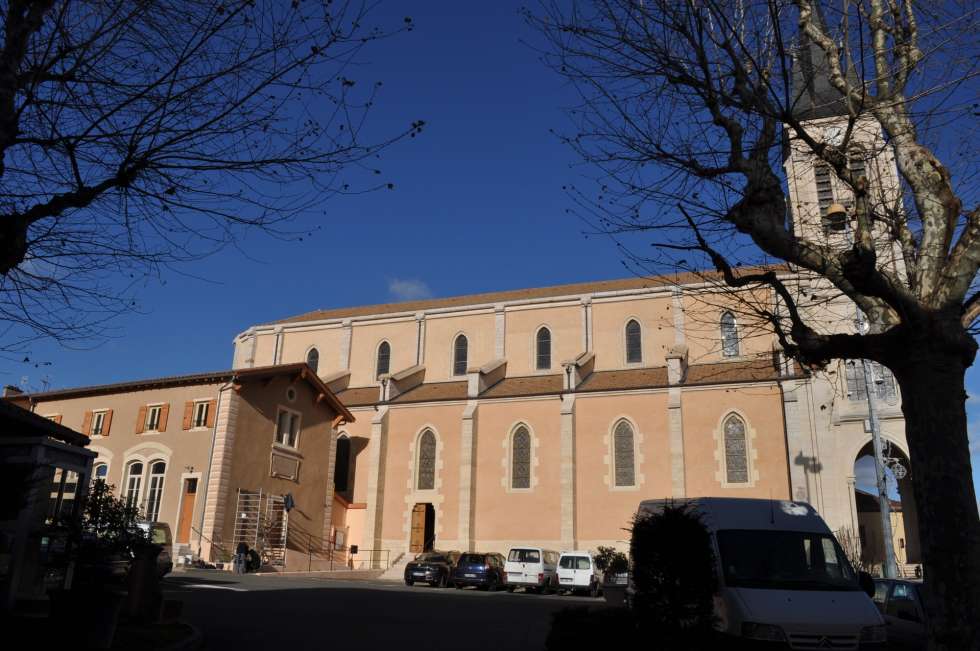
<point x="200" y="406"/>
<point x="98" y="418"/>
<point x="150" y="411"/>
<point x="296" y="427"/>
<point x="137" y="499"/>
<point x="152" y="485"/>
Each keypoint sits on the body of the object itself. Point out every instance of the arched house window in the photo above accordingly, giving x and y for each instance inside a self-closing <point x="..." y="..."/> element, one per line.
<point x="383" y="365"/>
<point x="313" y="359"/>
<point x="100" y="472"/>
<point x="624" y="455"/>
<point x="634" y="342"/>
<point x="425" y="474"/>
<point x="729" y="335"/>
<point x="520" y="458"/>
<point x="134" y="481"/>
<point x="154" y="493"/>
<point x="736" y="450"/>
<point x="460" y="354"/>
<point x="542" y="348"/>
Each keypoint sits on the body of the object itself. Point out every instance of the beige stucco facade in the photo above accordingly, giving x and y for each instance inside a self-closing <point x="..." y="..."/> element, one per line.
<point x="187" y="465"/>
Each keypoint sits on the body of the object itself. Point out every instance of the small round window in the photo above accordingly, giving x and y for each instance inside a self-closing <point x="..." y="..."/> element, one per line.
<point x="291" y="394"/>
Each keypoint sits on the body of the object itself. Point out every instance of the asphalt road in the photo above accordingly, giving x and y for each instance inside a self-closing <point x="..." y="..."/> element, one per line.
<point x="261" y="612"/>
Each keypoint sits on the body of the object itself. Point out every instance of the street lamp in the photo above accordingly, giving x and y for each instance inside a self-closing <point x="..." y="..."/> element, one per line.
<point x="837" y="216"/>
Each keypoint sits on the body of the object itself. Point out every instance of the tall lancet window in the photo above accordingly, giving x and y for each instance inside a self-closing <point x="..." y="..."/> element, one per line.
<point x="729" y="335"/>
<point x="520" y="458"/>
<point x="426" y="474"/>
<point x="384" y="359"/>
<point x="736" y="454"/>
<point x="543" y="345"/>
<point x="634" y="343"/>
<point x="460" y="352"/>
<point x="624" y="456"/>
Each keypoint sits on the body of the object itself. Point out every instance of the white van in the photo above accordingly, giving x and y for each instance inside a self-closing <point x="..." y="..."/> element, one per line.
<point x="531" y="568"/>
<point x="783" y="577"/>
<point x="577" y="573"/>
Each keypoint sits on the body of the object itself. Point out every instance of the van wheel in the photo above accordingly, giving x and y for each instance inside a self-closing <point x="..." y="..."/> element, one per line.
<point x="510" y="588"/>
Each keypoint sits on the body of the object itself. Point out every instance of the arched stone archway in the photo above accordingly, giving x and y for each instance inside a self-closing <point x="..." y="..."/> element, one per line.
<point x="904" y="514"/>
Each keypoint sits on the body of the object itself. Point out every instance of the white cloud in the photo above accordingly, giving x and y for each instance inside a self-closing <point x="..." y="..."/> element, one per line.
<point x="408" y="289"/>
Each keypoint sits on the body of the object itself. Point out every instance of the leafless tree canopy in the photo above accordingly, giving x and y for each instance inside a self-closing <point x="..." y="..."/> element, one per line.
<point x="135" y="134"/>
<point x="689" y="109"/>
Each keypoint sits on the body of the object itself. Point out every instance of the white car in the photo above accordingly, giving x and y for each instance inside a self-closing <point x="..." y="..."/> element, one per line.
<point x="531" y="568"/>
<point x="577" y="573"/>
<point x="783" y="577"/>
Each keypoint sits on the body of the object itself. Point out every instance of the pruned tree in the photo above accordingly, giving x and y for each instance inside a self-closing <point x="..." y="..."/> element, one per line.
<point x="690" y="110"/>
<point x="137" y="134"/>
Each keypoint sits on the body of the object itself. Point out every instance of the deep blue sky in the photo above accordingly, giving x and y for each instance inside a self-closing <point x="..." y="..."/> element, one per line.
<point x="477" y="206"/>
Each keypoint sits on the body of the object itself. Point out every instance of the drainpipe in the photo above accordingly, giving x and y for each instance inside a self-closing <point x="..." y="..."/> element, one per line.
<point x="207" y="475"/>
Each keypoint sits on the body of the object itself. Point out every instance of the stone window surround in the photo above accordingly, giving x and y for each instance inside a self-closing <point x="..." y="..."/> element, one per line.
<point x="625" y="350"/>
<point x="414" y="496"/>
<point x="146" y="453"/>
<point x="306" y="356"/>
<point x="534" y="350"/>
<point x="506" y="480"/>
<point x="609" y="441"/>
<point x="751" y="452"/>
<point x="452" y="355"/>
<point x="377" y="358"/>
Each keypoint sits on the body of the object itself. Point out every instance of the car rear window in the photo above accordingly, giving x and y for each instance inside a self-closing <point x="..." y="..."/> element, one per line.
<point x="574" y="563"/>
<point x="472" y="559"/>
<point x="430" y="557"/>
<point x="524" y="556"/>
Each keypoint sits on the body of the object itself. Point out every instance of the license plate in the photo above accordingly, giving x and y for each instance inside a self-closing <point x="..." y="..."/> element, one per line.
<point x="566" y="580"/>
<point x="419" y="573"/>
<point x="470" y="576"/>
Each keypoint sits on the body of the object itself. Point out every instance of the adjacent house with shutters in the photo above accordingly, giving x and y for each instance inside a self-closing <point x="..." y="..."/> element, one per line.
<point x="215" y="454"/>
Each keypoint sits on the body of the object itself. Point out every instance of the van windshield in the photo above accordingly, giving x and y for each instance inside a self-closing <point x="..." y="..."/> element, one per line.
<point x="524" y="556"/>
<point x="784" y="560"/>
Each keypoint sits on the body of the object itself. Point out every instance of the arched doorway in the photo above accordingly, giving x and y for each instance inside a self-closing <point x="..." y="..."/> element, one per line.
<point x="904" y="515"/>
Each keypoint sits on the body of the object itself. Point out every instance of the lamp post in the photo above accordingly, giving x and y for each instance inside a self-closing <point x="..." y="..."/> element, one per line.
<point x="836" y="214"/>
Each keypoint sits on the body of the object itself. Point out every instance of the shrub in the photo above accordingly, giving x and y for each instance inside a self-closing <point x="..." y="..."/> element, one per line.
<point x="609" y="559"/>
<point x="673" y="577"/>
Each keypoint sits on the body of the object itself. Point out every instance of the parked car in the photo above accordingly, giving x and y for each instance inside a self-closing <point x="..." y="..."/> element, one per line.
<point x="159" y="534"/>
<point x="900" y="603"/>
<point x="433" y="568"/>
<point x="485" y="571"/>
<point x="577" y="573"/>
<point x="531" y="568"/>
<point x="783" y="577"/>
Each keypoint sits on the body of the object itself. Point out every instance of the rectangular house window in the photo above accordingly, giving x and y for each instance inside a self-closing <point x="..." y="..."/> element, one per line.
<point x="287" y="428"/>
<point x="98" y="423"/>
<point x="200" y="414"/>
<point x="153" y="418"/>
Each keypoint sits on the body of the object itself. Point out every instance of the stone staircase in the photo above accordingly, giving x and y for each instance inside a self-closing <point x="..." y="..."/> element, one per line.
<point x="396" y="571"/>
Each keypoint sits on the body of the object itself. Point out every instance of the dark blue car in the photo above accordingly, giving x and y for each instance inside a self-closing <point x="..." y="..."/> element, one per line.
<point x="485" y="571"/>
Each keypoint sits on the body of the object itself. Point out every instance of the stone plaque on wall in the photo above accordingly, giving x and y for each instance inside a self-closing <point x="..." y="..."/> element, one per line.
<point x="285" y="466"/>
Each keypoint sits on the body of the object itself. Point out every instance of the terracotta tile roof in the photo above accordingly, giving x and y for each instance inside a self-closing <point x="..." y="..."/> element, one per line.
<point x="213" y="377"/>
<point x="434" y="391"/>
<point x="515" y="295"/>
<point x="359" y="396"/>
<point x="753" y="370"/>
<point x="759" y="369"/>
<point x="634" y="378"/>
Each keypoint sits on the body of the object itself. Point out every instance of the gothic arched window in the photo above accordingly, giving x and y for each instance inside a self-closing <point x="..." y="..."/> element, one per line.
<point x="634" y="342"/>
<point x="624" y="458"/>
<point x="460" y="352"/>
<point x="384" y="359"/>
<point x="543" y="349"/>
<point x="736" y="453"/>
<point x="426" y="474"/>
<point x="313" y="359"/>
<point x="520" y="458"/>
<point x="729" y="335"/>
